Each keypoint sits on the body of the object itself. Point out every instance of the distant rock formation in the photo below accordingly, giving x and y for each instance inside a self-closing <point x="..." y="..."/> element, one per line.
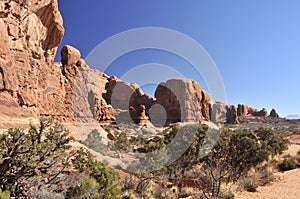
<point x="232" y="115"/>
<point x="143" y="119"/>
<point x="183" y="100"/>
<point x="261" y="113"/>
<point x="274" y="114"/>
<point x="242" y="110"/>
<point x="218" y="111"/>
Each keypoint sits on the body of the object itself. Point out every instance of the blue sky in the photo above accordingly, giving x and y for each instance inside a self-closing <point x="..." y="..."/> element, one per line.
<point x="255" y="44"/>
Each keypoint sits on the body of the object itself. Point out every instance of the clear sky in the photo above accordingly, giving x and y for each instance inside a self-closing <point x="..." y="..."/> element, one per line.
<point x="255" y="44"/>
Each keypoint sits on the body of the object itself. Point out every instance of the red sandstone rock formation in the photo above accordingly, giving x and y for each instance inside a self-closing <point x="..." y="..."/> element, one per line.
<point x="183" y="100"/>
<point x="143" y="119"/>
<point x="30" y="32"/>
<point x="231" y="115"/>
<point x="261" y="113"/>
<point x="218" y="112"/>
<point x="32" y="85"/>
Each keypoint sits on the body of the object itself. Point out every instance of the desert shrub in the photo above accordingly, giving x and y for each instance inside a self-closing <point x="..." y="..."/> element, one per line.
<point x="122" y="141"/>
<point x="265" y="176"/>
<point x="42" y="151"/>
<point x="94" y="141"/>
<point x="249" y="184"/>
<point x="137" y="141"/>
<point x="128" y="183"/>
<point x="106" y="185"/>
<point x="86" y="188"/>
<point x="235" y="154"/>
<point x="273" y="143"/>
<point x="154" y="161"/>
<point x="287" y="164"/>
<point x="154" y="144"/>
<point x="191" y="135"/>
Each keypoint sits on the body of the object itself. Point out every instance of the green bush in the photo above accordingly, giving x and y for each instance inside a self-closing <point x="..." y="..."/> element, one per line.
<point x="122" y="141"/>
<point x="94" y="141"/>
<point x="287" y="164"/>
<point x="236" y="153"/>
<point x="26" y="155"/>
<point x="271" y="142"/>
<point x="106" y="178"/>
<point x="86" y="188"/>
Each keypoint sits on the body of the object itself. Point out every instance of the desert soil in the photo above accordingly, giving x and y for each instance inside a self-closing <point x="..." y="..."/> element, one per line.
<point x="286" y="185"/>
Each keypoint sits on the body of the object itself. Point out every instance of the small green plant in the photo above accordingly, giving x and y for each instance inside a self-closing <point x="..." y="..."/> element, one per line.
<point x="94" y="141"/>
<point x="86" y="188"/>
<point x="286" y="165"/>
<point x="122" y="141"/>
<point x="106" y="185"/>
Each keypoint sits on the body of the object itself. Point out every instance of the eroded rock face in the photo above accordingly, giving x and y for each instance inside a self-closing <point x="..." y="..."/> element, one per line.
<point x="183" y="100"/>
<point x="30" y="32"/>
<point x="231" y="115"/>
<point x="245" y="110"/>
<point x="242" y="110"/>
<point x="31" y="84"/>
<point x="218" y="112"/>
<point x="127" y="97"/>
<point x="83" y="89"/>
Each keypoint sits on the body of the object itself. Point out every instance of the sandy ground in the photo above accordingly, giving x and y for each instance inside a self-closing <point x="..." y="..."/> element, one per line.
<point x="286" y="186"/>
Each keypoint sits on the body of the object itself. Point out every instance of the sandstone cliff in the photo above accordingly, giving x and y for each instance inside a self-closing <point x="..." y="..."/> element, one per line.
<point x="32" y="85"/>
<point x="183" y="100"/>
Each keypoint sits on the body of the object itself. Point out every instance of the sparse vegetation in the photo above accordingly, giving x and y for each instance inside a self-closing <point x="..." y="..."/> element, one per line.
<point x="94" y="141"/>
<point x="234" y="155"/>
<point x="102" y="181"/>
<point x="44" y="153"/>
<point x="122" y="141"/>
<point x="39" y="163"/>
<point x="287" y="164"/>
<point x="25" y="155"/>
